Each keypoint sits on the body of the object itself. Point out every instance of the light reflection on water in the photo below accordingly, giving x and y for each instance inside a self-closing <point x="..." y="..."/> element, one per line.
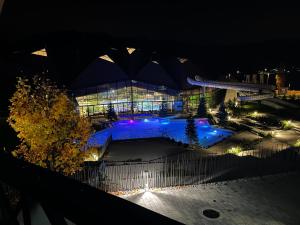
<point x="161" y="127"/>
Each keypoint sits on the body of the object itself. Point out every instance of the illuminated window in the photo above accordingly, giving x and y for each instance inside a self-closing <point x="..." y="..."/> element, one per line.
<point x="130" y="50"/>
<point x="125" y="96"/>
<point x="182" y="60"/>
<point x="107" y="58"/>
<point x="41" y="52"/>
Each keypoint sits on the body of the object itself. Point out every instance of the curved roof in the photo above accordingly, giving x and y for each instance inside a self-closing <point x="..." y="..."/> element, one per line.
<point x="149" y="68"/>
<point x="99" y="72"/>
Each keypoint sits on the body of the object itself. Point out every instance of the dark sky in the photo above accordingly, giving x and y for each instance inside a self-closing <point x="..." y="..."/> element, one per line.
<point x="183" y="21"/>
<point x="219" y="38"/>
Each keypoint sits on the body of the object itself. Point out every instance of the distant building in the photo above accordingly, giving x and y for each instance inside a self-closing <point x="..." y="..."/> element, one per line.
<point x="104" y="82"/>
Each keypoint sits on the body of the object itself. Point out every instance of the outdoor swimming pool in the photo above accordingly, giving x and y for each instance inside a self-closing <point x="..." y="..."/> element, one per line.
<point x="158" y="127"/>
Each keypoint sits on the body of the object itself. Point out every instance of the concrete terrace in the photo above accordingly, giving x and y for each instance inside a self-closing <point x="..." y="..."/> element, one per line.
<point x="270" y="200"/>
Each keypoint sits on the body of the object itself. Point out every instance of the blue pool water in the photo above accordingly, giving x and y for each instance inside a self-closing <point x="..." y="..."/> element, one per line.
<point x="157" y="127"/>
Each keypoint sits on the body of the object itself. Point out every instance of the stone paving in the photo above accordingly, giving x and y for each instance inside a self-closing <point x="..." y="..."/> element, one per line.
<point x="270" y="200"/>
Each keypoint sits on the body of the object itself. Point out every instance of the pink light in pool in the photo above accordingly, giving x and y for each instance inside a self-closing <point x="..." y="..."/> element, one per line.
<point x="130" y="121"/>
<point x="203" y="121"/>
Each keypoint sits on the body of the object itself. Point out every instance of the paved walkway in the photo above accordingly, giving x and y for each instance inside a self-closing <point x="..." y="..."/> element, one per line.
<point x="271" y="200"/>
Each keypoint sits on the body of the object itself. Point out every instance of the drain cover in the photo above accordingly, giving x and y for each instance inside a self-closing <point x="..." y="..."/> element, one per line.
<point x="211" y="213"/>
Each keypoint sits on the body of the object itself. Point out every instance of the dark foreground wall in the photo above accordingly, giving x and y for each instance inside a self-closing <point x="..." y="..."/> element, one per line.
<point x="61" y="197"/>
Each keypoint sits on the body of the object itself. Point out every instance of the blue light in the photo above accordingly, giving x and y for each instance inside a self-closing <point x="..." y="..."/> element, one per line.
<point x="164" y="121"/>
<point x="153" y="127"/>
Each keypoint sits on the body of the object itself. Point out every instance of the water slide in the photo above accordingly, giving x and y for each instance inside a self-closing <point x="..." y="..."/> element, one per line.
<point x="261" y="91"/>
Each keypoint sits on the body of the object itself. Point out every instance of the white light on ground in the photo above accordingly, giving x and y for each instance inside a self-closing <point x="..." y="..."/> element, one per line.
<point x="95" y="156"/>
<point x="255" y="114"/>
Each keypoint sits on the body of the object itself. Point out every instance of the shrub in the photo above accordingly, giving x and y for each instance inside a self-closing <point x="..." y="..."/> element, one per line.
<point x="234" y="150"/>
<point x="202" y="109"/>
<point x="286" y="124"/>
<point x="222" y="115"/>
<point x="191" y="131"/>
<point x="297" y="144"/>
<point x="163" y="111"/>
<point x="111" y="114"/>
<point x="51" y="131"/>
<point x="92" y="154"/>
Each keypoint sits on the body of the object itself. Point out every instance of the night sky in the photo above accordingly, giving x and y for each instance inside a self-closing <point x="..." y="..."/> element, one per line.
<point x="218" y="38"/>
<point x="208" y="33"/>
<point x="183" y="22"/>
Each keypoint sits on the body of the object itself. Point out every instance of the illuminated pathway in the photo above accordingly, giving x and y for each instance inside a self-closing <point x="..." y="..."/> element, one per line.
<point x="270" y="200"/>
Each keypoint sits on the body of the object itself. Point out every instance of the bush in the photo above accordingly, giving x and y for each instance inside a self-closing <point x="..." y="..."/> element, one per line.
<point x="234" y="150"/>
<point x="51" y="131"/>
<point x="297" y="144"/>
<point x="202" y="109"/>
<point x="222" y="115"/>
<point x="191" y="131"/>
<point x="268" y="135"/>
<point x="111" y="114"/>
<point x="286" y="124"/>
<point x="163" y="111"/>
<point x="92" y="154"/>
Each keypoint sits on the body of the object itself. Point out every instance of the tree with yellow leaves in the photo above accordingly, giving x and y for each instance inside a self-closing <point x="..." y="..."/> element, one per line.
<point x="52" y="133"/>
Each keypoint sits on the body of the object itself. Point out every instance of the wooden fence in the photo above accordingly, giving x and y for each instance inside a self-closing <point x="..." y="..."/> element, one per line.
<point x="188" y="168"/>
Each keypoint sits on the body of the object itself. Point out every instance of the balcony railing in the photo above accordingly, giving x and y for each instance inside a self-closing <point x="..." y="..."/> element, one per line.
<point x="63" y="199"/>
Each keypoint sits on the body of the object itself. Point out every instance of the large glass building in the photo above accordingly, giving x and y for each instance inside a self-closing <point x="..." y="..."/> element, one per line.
<point x="128" y="97"/>
<point x="144" y="90"/>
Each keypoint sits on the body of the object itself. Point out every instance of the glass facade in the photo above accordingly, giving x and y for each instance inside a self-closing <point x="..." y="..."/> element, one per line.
<point x="191" y="98"/>
<point x="128" y="97"/>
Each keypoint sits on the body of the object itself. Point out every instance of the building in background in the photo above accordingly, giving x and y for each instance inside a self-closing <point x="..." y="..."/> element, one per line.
<point x="155" y="83"/>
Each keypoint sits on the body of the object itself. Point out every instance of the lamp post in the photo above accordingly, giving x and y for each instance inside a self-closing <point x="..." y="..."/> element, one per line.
<point x="268" y="74"/>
